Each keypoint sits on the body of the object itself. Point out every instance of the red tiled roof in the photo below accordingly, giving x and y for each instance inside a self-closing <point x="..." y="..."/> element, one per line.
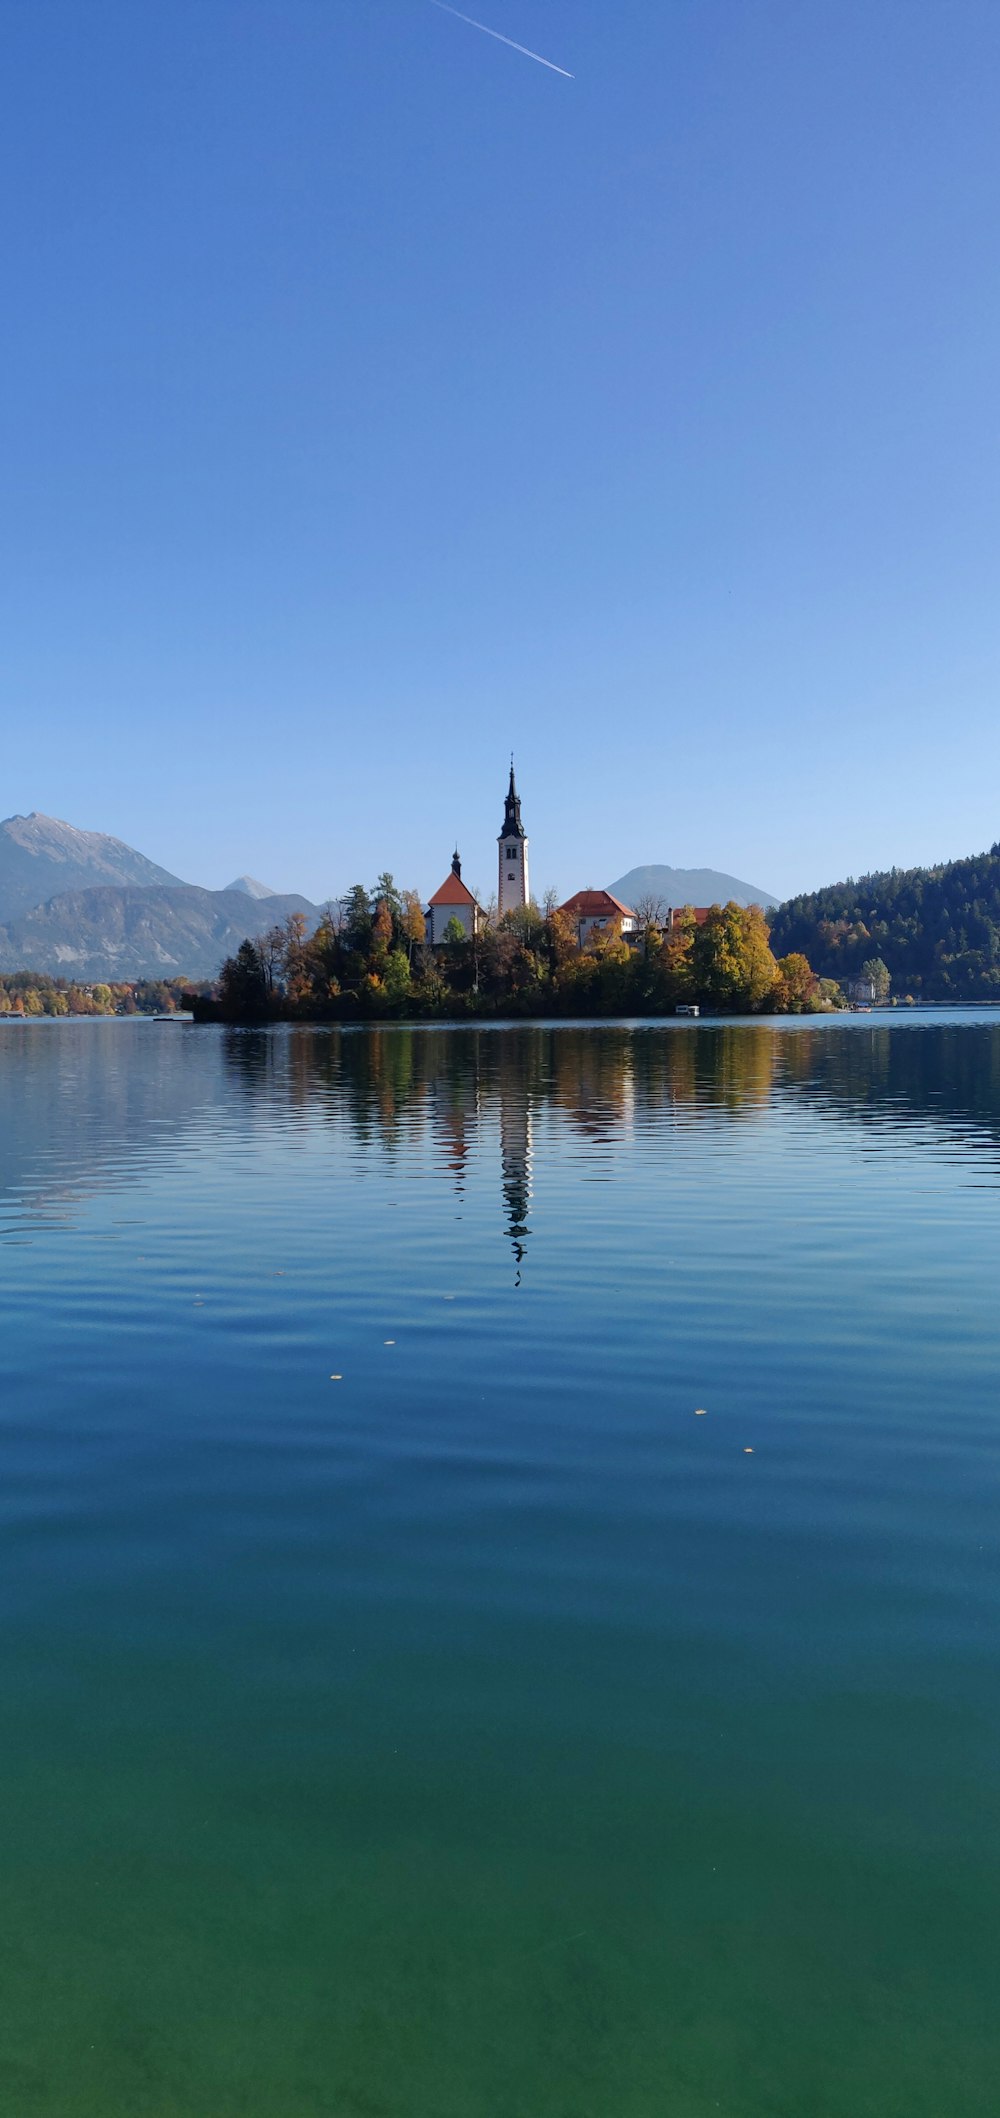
<point x="596" y="904"/>
<point x="453" y="891"/>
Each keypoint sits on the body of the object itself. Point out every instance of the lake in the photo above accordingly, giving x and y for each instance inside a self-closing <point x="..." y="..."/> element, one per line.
<point x="500" y="1591"/>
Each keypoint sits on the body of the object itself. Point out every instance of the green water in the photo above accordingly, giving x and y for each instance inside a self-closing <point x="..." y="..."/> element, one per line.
<point x="485" y="1734"/>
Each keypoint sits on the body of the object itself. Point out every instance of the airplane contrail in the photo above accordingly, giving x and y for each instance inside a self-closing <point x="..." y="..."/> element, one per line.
<point x="501" y="39"/>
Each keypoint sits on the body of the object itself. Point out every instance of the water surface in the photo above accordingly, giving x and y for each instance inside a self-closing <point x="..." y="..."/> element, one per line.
<point x="500" y="1598"/>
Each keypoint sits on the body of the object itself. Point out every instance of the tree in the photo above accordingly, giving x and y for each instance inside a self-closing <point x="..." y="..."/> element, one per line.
<point x="243" y="987"/>
<point x="382" y="927"/>
<point x="414" y="922"/>
<point x="650" y="919"/>
<point x="387" y="894"/>
<point x="881" y="981"/>
<point x="794" y="986"/>
<point x="523" y="920"/>
<point x="397" y="978"/>
<point x="731" y="961"/>
<point x="295" y="963"/>
<point x="561" y="937"/>
<point x="356" y="913"/>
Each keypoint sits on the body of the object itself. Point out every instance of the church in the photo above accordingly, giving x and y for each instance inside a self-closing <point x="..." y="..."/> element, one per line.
<point x="455" y="901"/>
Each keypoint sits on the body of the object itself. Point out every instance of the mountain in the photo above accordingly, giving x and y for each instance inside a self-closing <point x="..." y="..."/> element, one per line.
<point x="152" y="932"/>
<point x="251" y="887"/>
<point x="40" y="857"/>
<point x="688" y="886"/>
<point x="937" y="930"/>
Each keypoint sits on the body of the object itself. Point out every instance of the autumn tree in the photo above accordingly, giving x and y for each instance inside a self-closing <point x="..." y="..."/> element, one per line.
<point x="731" y="961"/>
<point x="795" y="985"/>
<point x="561" y="938"/>
<point x="414" y="922"/>
<point x="387" y="894"/>
<point x="382" y="928"/>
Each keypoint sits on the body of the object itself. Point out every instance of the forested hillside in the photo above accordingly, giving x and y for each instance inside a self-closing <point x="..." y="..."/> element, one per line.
<point x="937" y="930"/>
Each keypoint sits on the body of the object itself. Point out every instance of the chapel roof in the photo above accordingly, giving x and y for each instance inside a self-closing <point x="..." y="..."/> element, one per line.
<point x="453" y="891"/>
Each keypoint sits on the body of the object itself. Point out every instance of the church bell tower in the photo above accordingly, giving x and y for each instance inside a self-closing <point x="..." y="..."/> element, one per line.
<point x="513" y="890"/>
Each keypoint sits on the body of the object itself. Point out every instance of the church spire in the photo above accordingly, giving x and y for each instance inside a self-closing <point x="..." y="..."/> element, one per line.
<point x="512" y="891"/>
<point x="512" y="825"/>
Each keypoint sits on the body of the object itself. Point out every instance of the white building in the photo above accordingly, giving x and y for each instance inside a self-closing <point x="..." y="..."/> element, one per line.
<point x="597" y="910"/>
<point x="512" y="891"/>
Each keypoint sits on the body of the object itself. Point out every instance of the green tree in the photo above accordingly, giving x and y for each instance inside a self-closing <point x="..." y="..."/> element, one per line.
<point x="243" y="986"/>
<point x="398" y="982"/>
<point x="357" y="917"/>
<point x="876" y="970"/>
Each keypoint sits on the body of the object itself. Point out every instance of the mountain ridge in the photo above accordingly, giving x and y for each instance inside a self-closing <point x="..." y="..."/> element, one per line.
<point x="113" y="932"/>
<point x="688" y="886"/>
<point x="42" y="857"/>
<point x="249" y="886"/>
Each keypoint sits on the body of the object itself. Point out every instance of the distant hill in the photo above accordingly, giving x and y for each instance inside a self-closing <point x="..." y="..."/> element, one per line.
<point x="937" y="930"/>
<point x="152" y="932"/>
<point x="41" y="856"/>
<point x="688" y="886"/>
<point x="251" y="887"/>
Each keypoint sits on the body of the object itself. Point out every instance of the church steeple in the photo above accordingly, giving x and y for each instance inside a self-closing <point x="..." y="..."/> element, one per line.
<point x="513" y="843"/>
<point x="512" y="825"/>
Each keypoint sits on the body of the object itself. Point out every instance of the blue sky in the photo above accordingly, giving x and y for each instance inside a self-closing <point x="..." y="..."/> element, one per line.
<point x="375" y="400"/>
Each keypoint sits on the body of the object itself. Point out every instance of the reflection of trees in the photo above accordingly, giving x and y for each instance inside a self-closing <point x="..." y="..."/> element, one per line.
<point x="943" y="1076"/>
<point x="608" y="1079"/>
<point x="83" y="1105"/>
<point x="461" y="1090"/>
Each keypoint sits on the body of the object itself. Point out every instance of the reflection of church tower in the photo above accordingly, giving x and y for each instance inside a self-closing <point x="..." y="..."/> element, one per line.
<point x="515" y="1159"/>
<point x="513" y="890"/>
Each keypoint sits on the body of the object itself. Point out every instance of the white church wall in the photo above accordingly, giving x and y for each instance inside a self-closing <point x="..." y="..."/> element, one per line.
<point x="513" y="893"/>
<point x="439" y="917"/>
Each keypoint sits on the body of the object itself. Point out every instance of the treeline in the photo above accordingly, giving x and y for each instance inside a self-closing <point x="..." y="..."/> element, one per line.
<point x="367" y="960"/>
<point x="35" y="993"/>
<point x="937" y="930"/>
